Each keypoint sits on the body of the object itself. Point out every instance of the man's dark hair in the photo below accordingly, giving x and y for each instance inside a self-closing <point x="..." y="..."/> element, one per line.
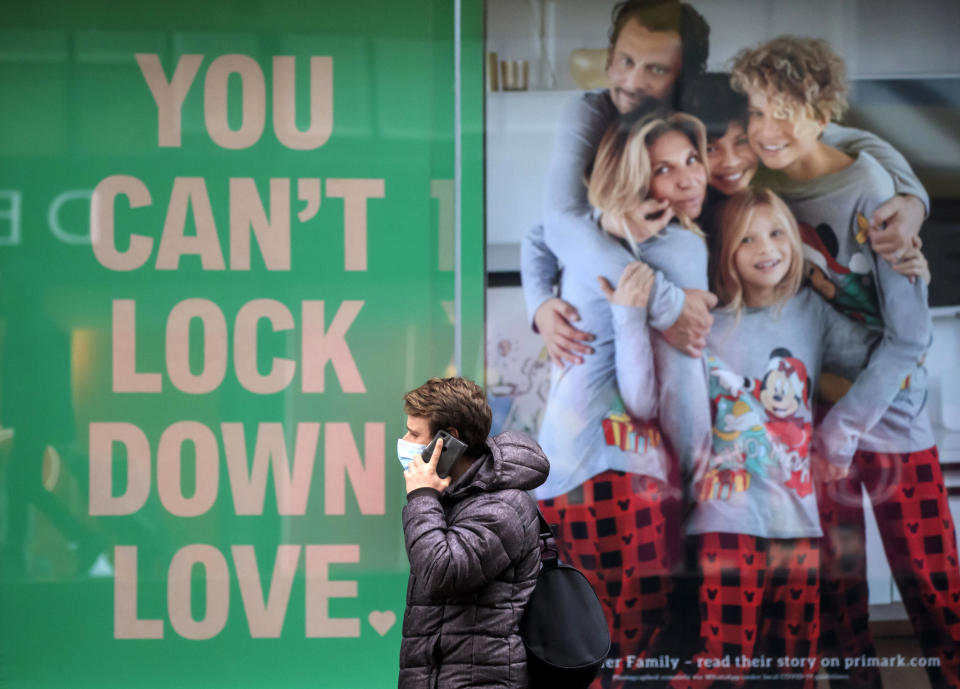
<point x="712" y="100"/>
<point x="668" y="15"/>
<point x="453" y="403"/>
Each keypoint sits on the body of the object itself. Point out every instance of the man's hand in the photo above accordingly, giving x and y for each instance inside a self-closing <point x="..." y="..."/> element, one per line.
<point x="420" y="474"/>
<point x="634" y="286"/>
<point x="562" y="340"/>
<point x="689" y="333"/>
<point x="894" y="225"/>
<point x="913" y="263"/>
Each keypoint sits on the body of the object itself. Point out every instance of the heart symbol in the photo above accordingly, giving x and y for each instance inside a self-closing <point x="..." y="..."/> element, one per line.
<point x="624" y="504"/>
<point x="382" y="621"/>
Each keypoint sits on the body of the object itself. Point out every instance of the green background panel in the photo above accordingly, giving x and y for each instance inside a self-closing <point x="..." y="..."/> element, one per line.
<point x="82" y="112"/>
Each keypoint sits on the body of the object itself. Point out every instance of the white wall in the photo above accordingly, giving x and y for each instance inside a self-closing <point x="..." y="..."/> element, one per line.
<point x="875" y="37"/>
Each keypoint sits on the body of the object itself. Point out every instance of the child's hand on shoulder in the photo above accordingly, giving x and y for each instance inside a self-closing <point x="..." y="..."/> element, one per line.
<point x="634" y="286"/>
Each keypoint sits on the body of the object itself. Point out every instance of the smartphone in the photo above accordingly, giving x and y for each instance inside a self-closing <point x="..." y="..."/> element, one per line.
<point x="451" y="451"/>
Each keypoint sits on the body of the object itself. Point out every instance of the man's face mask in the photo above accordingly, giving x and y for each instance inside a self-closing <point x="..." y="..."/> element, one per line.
<point x="407" y="452"/>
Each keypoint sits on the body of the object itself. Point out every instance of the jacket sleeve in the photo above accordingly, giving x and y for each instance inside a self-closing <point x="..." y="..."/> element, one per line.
<point x="485" y="537"/>
<point x="853" y="141"/>
<point x="904" y="341"/>
<point x="539" y="270"/>
<point x="569" y="229"/>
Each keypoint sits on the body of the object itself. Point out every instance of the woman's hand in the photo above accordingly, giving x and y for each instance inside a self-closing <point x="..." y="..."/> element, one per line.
<point x="913" y="263"/>
<point x="647" y="219"/>
<point x="563" y="341"/>
<point x="634" y="286"/>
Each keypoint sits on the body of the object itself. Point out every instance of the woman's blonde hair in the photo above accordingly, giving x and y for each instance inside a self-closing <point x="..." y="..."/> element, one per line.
<point x="735" y="218"/>
<point x="621" y="173"/>
<point x="796" y="73"/>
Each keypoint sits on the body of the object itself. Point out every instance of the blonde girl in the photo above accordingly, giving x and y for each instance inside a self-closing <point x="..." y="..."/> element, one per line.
<point x="754" y="516"/>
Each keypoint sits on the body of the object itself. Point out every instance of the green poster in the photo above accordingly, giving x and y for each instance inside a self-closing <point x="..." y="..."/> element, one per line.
<point x="227" y="248"/>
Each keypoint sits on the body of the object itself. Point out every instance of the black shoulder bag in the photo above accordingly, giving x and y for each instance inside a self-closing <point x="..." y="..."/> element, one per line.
<point x="563" y="626"/>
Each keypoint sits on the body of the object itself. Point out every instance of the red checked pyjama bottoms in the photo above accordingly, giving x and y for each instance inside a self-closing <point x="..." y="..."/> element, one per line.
<point x="623" y="533"/>
<point x="758" y="600"/>
<point x="913" y="516"/>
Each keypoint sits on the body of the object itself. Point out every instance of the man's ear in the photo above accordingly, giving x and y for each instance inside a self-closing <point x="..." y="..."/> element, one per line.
<point x="454" y="432"/>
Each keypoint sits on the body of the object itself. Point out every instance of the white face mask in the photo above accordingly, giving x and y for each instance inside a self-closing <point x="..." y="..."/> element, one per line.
<point x="407" y="452"/>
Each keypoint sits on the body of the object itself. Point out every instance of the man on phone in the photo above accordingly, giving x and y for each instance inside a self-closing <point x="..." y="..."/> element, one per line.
<point x="472" y="539"/>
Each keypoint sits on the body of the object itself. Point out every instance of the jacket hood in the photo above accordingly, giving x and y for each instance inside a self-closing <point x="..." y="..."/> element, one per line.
<point x="515" y="460"/>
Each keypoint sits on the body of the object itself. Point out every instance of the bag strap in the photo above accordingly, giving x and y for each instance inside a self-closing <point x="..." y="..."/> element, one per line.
<point x="549" y="553"/>
<point x="545" y="530"/>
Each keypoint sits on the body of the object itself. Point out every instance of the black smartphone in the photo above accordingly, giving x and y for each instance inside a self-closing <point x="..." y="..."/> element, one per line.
<point x="451" y="451"/>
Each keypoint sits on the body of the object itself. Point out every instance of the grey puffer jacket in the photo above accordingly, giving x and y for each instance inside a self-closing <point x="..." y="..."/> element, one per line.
<point x="474" y="558"/>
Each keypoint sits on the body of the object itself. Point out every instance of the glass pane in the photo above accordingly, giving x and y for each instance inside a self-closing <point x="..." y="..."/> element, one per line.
<point x="227" y="244"/>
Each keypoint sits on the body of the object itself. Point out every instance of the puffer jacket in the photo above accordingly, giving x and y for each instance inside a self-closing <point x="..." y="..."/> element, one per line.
<point x="474" y="558"/>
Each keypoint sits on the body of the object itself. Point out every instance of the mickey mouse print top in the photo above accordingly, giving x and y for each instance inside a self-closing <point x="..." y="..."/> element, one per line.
<point x="762" y="369"/>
